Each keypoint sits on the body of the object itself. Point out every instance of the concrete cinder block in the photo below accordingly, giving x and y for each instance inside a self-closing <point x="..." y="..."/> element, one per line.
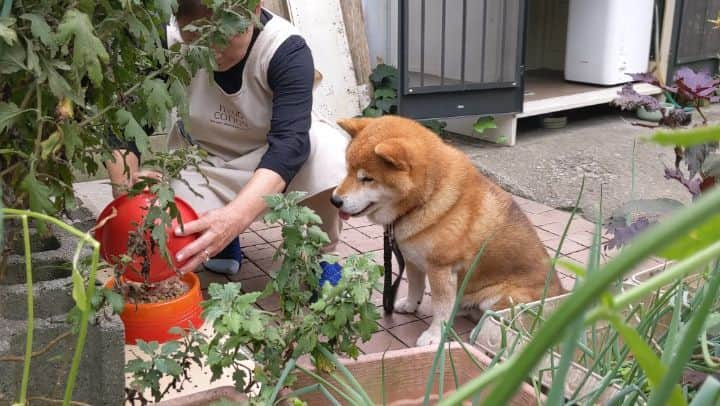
<point x="101" y="378"/>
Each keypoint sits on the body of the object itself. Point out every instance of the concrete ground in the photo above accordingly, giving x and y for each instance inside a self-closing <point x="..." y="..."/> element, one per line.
<point x="547" y="166"/>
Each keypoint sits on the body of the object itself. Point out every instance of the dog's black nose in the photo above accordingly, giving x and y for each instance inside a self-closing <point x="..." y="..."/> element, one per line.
<point x="336" y="201"/>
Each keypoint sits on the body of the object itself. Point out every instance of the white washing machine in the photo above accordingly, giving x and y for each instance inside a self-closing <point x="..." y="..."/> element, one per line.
<point x="607" y="39"/>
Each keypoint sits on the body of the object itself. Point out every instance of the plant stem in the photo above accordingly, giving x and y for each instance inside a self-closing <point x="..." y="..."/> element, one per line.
<point x="680" y="270"/>
<point x="327" y="354"/>
<point x="521" y="363"/>
<point x="688" y="337"/>
<point x="30" y="312"/>
<point x="701" y="114"/>
<point x="83" y="322"/>
<point x="288" y="367"/>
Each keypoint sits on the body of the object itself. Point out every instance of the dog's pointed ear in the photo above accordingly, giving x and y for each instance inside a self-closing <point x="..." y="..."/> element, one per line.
<point x="353" y="126"/>
<point x="393" y="152"/>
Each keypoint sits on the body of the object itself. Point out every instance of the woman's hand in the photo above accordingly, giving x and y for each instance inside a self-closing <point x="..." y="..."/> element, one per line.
<point x="217" y="228"/>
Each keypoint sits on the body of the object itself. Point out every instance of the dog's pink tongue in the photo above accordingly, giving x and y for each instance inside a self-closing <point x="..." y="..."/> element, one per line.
<point x="344" y="216"/>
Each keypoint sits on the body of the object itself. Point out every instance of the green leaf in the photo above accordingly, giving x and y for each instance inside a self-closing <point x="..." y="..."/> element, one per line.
<point x="178" y="94"/>
<point x="484" y="123"/>
<point x="316" y="234"/>
<point x="11" y="58"/>
<point x="385" y="92"/>
<point x="38" y="194"/>
<point x="685" y="138"/>
<point x="157" y="100"/>
<point x="50" y="145"/>
<point x="372" y="112"/>
<point x="646" y="358"/>
<point x="381" y="72"/>
<point x="166" y="8"/>
<point x="33" y="62"/>
<point x="8" y="113"/>
<point x="116" y="301"/>
<point x="711" y="166"/>
<point x="170" y="347"/>
<point x="78" y="291"/>
<point x="88" y="51"/>
<point x="133" y="131"/>
<point x="39" y="28"/>
<point x="694" y="241"/>
<point x="6" y="32"/>
<point x="168" y="367"/>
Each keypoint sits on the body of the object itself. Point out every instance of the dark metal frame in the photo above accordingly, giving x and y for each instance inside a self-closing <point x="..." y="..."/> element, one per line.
<point x="463" y="99"/>
<point x="674" y="61"/>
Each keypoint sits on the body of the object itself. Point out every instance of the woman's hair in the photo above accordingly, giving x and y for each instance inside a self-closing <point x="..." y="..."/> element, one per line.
<point x="191" y="10"/>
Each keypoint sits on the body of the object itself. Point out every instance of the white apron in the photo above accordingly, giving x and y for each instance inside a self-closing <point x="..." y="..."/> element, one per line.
<point x="233" y="129"/>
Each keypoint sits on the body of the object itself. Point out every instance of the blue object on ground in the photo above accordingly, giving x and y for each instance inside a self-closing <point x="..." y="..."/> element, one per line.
<point x="227" y="261"/>
<point x="331" y="273"/>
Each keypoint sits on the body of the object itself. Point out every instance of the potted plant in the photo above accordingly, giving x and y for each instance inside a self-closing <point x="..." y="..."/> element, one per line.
<point x="74" y="78"/>
<point x="262" y="348"/>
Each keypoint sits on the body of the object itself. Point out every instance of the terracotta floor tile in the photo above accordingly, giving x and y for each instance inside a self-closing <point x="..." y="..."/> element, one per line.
<point x="584" y="257"/>
<point x="351" y="235"/>
<point x="461" y="325"/>
<point x="270" y="303"/>
<point x="271" y="234"/>
<point x="554" y="216"/>
<point x="389" y="321"/>
<point x="247" y="271"/>
<point x="567" y="283"/>
<point x="358" y="222"/>
<point x="255" y="284"/>
<point x="260" y="225"/>
<point x="207" y="277"/>
<point x="367" y="244"/>
<point x="379" y="342"/>
<point x="521" y="201"/>
<point x="409" y="333"/>
<point x="568" y="246"/>
<point x="544" y="235"/>
<point x="345" y="250"/>
<point x="563" y="271"/>
<point x="250" y="238"/>
<point x="373" y="231"/>
<point x="259" y="252"/>
<point x="531" y="207"/>
<point x="577" y="226"/>
<point x="269" y="266"/>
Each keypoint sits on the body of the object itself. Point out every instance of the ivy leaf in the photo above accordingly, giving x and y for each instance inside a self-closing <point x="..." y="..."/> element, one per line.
<point x="8" y="112"/>
<point x="38" y="194"/>
<point x="381" y="73"/>
<point x="385" y="93"/>
<point x="133" y="130"/>
<point x="88" y="51"/>
<point x="39" y="28"/>
<point x="372" y="112"/>
<point x="484" y="123"/>
<point x="6" y="32"/>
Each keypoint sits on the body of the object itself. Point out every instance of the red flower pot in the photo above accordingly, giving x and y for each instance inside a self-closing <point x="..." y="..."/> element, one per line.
<point x="153" y="321"/>
<point x="131" y="210"/>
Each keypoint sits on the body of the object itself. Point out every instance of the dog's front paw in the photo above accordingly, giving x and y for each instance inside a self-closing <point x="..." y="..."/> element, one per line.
<point x="431" y="336"/>
<point x="405" y="305"/>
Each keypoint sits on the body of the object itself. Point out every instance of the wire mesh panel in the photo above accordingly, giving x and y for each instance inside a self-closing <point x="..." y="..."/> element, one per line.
<point x="453" y="49"/>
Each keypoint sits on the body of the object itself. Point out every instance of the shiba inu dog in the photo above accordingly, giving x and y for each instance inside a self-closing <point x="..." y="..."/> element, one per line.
<point x="443" y="211"/>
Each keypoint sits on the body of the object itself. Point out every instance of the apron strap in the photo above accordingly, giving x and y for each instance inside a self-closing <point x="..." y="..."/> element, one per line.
<point x="390" y="288"/>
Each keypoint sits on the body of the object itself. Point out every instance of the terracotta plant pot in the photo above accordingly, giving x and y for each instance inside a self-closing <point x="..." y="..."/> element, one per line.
<point x="152" y="321"/>
<point x="130" y="211"/>
<point x="406" y="374"/>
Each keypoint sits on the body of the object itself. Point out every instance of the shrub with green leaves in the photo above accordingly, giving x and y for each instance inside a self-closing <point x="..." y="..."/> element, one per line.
<point x="312" y="319"/>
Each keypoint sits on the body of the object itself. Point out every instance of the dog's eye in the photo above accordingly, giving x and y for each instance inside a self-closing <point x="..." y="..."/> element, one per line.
<point x="366" y="179"/>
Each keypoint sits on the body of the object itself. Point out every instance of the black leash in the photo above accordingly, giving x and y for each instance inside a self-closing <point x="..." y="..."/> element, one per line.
<point x="390" y="288"/>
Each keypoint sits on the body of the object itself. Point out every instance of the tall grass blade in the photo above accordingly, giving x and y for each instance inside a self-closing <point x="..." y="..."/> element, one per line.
<point x="708" y="394"/>
<point x="687" y="339"/>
